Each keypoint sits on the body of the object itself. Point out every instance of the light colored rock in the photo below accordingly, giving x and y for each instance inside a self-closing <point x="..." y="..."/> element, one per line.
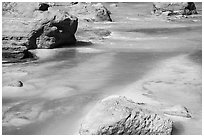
<point x="34" y="25"/>
<point x="90" y="12"/>
<point x="175" y="8"/>
<point x="117" y="115"/>
<point x="114" y="5"/>
<point x="177" y="110"/>
<point x="102" y="13"/>
<point x="16" y="84"/>
<point x="49" y="29"/>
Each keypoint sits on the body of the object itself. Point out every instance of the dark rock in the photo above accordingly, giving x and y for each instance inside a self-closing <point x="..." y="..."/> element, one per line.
<point x="174" y="8"/>
<point x="73" y="3"/>
<point x="119" y="116"/>
<point x="190" y="9"/>
<point x="16" y="84"/>
<point x="43" y="6"/>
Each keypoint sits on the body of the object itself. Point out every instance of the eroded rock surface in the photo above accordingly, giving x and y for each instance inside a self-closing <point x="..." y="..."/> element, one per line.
<point x="31" y="25"/>
<point x="90" y="12"/>
<point x="117" y="115"/>
<point x="174" y="8"/>
<point x="39" y="26"/>
<point x="55" y="28"/>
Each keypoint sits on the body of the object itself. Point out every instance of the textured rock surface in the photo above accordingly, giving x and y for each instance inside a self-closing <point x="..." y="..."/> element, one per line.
<point x="172" y="8"/>
<point x="102" y="14"/>
<point x="42" y="29"/>
<point x="23" y="9"/>
<point x="90" y="12"/>
<point x="55" y="28"/>
<point x="16" y="84"/>
<point x="116" y="115"/>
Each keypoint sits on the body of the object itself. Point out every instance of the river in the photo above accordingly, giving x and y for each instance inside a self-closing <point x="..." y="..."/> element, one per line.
<point x="63" y="85"/>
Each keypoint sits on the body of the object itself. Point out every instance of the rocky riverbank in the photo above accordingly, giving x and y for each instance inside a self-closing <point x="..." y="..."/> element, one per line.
<point x="132" y="72"/>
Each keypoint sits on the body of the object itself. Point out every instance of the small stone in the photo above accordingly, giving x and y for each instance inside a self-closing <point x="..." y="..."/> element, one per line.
<point x="43" y="6"/>
<point x="16" y="84"/>
<point x="177" y="110"/>
<point x="113" y="5"/>
<point x="102" y="13"/>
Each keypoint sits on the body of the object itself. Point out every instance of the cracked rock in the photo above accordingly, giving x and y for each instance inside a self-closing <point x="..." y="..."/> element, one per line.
<point x="117" y="115"/>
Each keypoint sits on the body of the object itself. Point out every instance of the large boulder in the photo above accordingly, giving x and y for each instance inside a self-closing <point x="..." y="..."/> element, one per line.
<point x="117" y="115"/>
<point x="172" y="8"/>
<point x="44" y="29"/>
<point x="39" y="27"/>
<point x="53" y="29"/>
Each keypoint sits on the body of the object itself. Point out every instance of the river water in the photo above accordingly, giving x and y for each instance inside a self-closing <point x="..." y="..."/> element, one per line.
<point x="64" y="84"/>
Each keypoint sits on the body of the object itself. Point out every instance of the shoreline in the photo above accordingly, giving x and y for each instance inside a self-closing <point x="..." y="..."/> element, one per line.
<point x="170" y="79"/>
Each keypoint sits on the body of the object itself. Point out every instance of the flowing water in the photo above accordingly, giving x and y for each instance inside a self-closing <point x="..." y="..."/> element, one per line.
<point x="65" y="83"/>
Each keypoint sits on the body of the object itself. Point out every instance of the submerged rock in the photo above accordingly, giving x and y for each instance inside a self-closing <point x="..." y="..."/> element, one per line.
<point x="117" y="115"/>
<point x="16" y="84"/>
<point x="21" y="113"/>
<point x="174" y="8"/>
<point x="113" y="5"/>
<point x="177" y="110"/>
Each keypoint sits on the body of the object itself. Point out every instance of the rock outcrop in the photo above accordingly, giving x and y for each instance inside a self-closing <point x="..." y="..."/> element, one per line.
<point x="117" y="115"/>
<point x="34" y="25"/>
<point x="174" y="8"/>
<point x="54" y="28"/>
<point x="102" y="14"/>
<point x="23" y="9"/>
<point x="90" y="12"/>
